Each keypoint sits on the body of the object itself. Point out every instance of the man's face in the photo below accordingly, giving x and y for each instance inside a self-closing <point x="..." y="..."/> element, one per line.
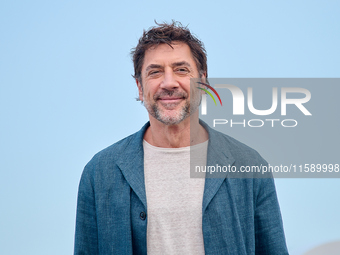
<point x="165" y="88"/>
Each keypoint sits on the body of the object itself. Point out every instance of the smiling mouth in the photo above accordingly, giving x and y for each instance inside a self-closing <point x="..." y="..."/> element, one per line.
<point x="170" y="103"/>
<point x="170" y="99"/>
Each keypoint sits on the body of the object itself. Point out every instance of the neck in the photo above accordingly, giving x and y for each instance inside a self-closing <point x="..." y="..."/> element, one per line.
<point x="187" y="133"/>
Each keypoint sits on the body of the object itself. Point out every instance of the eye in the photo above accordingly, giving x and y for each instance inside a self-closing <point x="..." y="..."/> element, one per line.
<point x="154" y="72"/>
<point x="182" y="70"/>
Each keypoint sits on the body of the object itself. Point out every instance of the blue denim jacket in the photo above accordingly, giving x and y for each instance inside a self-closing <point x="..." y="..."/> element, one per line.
<point x="239" y="215"/>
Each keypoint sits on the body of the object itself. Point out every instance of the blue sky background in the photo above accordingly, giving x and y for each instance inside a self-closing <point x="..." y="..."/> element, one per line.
<point x="66" y="92"/>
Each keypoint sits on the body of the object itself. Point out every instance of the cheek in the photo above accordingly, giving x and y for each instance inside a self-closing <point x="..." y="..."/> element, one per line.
<point x="186" y="84"/>
<point x="147" y="94"/>
<point x="149" y="90"/>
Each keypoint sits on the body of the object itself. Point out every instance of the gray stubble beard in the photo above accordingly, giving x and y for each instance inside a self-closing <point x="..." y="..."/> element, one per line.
<point x="186" y="111"/>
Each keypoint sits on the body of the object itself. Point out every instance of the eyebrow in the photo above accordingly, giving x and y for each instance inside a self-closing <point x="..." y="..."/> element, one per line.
<point x="152" y="66"/>
<point x="182" y="63"/>
<point x="176" y="64"/>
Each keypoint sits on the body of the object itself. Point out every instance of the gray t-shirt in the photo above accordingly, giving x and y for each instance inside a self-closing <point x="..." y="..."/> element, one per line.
<point x="174" y="200"/>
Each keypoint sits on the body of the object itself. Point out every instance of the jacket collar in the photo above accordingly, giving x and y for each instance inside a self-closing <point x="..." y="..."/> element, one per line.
<point x="217" y="154"/>
<point x="131" y="163"/>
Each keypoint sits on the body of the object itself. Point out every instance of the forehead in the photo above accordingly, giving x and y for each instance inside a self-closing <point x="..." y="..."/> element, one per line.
<point x="163" y="54"/>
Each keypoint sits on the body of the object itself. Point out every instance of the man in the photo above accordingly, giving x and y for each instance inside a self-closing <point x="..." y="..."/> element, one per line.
<point x="137" y="197"/>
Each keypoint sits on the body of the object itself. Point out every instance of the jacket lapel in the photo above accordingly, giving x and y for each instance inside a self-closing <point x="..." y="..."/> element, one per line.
<point x="217" y="155"/>
<point x="131" y="163"/>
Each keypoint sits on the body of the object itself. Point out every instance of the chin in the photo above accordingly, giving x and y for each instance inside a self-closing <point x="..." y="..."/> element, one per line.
<point x="172" y="119"/>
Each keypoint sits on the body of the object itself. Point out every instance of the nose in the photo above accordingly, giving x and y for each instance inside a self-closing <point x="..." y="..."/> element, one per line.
<point x="169" y="81"/>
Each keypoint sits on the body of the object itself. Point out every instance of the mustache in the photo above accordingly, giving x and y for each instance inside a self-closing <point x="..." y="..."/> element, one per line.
<point x="170" y="93"/>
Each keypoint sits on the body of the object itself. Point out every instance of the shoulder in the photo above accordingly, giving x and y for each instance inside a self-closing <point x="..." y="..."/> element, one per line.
<point x="237" y="149"/>
<point x="124" y="149"/>
<point x="111" y="152"/>
<point x="224" y="149"/>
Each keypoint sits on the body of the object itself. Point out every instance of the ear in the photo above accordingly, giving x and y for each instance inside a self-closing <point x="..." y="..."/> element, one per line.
<point x="204" y="80"/>
<point x="204" y="77"/>
<point x="140" y="90"/>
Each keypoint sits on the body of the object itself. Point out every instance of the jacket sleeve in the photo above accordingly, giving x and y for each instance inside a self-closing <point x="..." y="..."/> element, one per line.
<point x="269" y="234"/>
<point x="86" y="234"/>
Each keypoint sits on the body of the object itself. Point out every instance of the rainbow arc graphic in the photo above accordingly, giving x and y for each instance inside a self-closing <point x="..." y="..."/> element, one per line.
<point x="212" y="89"/>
